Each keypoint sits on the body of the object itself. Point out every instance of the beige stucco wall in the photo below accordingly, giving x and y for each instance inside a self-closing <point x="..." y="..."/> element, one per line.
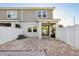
<point x="3" y="14"/>
<point x="49" y="15"/>
<point x="30" y="15"/>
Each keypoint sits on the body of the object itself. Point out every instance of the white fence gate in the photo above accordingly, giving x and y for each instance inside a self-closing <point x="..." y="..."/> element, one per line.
<point x="9" y="34"/>
<point x="70" y="35"/>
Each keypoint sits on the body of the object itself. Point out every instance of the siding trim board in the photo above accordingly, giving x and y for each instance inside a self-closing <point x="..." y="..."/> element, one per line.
<point x="21" y="15"/>
<point x="27" y="8"/>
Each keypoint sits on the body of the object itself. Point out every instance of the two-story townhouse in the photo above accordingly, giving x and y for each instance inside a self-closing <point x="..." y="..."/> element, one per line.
<point x="35" y="21"/>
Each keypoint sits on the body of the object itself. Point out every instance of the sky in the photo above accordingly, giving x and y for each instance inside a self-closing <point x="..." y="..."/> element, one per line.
<point x="63" y="11"/>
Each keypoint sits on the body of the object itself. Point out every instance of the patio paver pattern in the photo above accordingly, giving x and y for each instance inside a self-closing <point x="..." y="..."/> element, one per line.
<point x="45" y="46"/>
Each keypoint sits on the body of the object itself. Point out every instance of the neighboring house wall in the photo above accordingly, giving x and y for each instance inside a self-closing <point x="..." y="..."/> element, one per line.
<point x="3" y="14"/>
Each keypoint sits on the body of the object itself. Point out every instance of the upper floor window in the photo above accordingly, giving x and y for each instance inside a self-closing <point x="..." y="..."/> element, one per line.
<point x="12" y="14"/>
<point x="42" y="14"/>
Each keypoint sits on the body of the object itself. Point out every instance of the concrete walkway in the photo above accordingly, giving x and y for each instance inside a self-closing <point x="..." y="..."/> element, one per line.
<point x="46" y="46"/>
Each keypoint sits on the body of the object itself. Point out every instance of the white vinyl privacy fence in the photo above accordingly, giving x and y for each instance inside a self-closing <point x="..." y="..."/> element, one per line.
<point x="9" y="34"/>
<point x="70" y="35"/>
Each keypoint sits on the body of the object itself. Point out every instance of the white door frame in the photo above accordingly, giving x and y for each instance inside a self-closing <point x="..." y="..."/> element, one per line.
<point x="40" y="29"/>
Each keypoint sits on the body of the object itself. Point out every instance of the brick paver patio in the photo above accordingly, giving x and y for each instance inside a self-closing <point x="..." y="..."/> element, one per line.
<point x="34" y="46"/>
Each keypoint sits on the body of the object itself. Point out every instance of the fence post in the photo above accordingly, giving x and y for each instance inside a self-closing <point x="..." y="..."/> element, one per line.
<point x="12" y="24"/>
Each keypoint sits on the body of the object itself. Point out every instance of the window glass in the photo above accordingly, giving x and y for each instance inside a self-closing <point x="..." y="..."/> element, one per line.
<point x="34" y="29"/>
<point x="9" y="16"/>
<point x="17" y="26"/>
<point x="12" y="14"/>
<point x="44" y="14"/>
<point x="39" y="14"/>
<point x="29" y="29"/>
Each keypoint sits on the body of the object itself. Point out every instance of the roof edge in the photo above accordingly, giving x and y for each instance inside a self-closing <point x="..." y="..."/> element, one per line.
<point x="27" y="8"/>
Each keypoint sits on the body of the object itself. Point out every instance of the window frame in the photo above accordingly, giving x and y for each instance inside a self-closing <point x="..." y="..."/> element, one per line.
<point x="41" y="13"/>
<point x="30" y="28"/>
<point x="38" y="13"/>
<point x="11" y="13"/>
<point x="34" y="28"/>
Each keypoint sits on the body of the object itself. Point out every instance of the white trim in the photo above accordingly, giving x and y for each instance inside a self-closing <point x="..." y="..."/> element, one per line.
<point x="13" y="24"/>
<point x="9" y="20"/>
<point x="46" y="13"/>
<point x="41" y="14"/>
<point x="56" y="30"/>
<point x="36" y="14"/>
<point x="50" y="30"/>
<point x="27" y="8"/>
<point x="31" y="29"/>
<point x="22" y="15"/>
<point x="39" y="31"/>
<point x="48" y="20"/>
<point x="52" y="14"/>
<point x="11" y="13"/>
